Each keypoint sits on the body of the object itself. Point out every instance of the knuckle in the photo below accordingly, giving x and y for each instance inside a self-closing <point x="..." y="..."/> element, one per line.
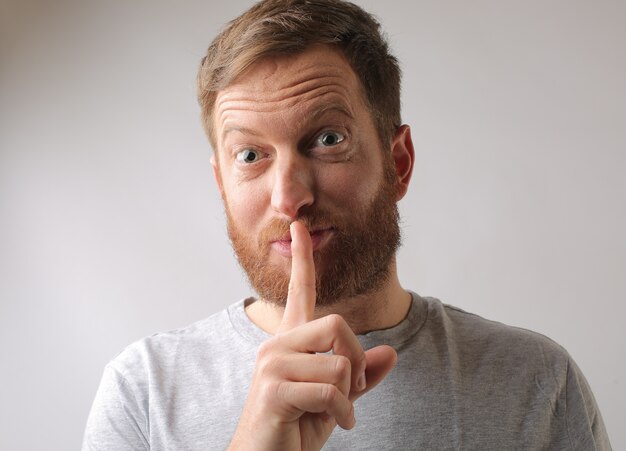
<point x="335" y="323"/>
<point x="265" y="348"/>
<point x="328" y="393"/>
<point x="269" y="364"/>
<point x="269" y="359"/>
<point x="272" y="391"/>
<point x="342" y="366"/>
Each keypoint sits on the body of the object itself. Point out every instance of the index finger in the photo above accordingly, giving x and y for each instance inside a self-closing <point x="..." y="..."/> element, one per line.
<point x="301" y="295"/>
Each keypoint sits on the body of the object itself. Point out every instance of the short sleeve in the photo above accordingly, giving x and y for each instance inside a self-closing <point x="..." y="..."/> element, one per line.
<point x="117" y="420"/>
<point x="585" y="426"/>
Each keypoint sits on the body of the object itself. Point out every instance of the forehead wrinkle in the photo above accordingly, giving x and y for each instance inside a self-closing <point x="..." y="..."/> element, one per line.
<point x="284" y="88"/>
<point x="312" y="83"/>
<point x="260" y="97"/>
<point x="338" y="102"/>
<point x="257" y="105"/>
<point x="331" y="107"/>
<point x="273" y="80"/>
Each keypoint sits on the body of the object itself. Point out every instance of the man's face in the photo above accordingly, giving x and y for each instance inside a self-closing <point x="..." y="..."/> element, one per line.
<point x="296" y="141"/>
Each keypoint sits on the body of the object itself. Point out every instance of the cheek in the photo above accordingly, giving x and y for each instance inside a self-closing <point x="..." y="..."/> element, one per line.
<point x="243" y="208"/>
<point x="245" y="204"/>
<point x="350" y="185"/>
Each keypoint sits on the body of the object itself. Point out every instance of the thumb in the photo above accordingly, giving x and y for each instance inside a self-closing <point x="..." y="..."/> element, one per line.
<point x="380" y="361"/>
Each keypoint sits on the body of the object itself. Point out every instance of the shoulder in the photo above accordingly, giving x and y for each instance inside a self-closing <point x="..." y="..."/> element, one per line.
<point x="475" y="338"/>
<point x="479" y="330"/>
<point x="168" y="350"/>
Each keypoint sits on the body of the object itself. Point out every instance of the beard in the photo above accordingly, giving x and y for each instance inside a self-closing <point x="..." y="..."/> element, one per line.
<point x="355" y="262"/>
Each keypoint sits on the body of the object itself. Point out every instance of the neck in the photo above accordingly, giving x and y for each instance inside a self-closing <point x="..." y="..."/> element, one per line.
<point x="381" y="309"/>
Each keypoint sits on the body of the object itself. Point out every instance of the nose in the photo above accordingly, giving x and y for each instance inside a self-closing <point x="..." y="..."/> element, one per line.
<point x="293" y="185"/>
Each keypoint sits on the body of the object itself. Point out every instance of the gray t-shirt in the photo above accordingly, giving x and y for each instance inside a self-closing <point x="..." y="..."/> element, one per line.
<point x="461" y="382"/>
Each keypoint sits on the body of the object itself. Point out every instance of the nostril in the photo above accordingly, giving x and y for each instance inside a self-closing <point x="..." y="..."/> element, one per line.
<point x="289" y="200"/>
<point x="293" y="182"/>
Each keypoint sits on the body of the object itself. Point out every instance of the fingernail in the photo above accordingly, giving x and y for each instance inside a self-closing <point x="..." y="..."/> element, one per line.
<point x="360" y="383"/>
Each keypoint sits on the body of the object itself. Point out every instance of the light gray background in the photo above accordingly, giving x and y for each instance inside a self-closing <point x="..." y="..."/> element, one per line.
<point x="111" y="227"/>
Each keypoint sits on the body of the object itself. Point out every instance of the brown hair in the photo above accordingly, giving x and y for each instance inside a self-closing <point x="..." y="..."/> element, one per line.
<point x="285" y="27"/>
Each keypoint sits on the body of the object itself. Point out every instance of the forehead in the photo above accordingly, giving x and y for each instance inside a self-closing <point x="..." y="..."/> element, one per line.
<point x="316" y="79"/>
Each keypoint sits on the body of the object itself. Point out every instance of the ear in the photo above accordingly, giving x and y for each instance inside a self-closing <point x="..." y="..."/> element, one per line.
<point x="217" y="174"/>
<point x="403" y="155"/>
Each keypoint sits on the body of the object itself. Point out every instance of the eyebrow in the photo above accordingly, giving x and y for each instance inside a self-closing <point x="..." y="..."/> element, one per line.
<point x="328" y="108"/>
<point x="237" y="128"/>
<point x="312" y="117"/>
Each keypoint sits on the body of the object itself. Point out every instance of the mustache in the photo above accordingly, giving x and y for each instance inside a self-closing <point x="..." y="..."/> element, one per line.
<point x="278" y="229"/>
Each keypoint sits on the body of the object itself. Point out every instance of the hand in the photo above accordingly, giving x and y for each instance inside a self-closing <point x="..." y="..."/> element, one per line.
<point x="297" y="397"/>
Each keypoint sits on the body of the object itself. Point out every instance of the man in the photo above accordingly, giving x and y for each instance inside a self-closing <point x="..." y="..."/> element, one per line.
<point x="301" y="103"/>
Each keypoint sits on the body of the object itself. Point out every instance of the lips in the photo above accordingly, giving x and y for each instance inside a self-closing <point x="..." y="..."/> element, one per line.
<point x="319" y="237"/>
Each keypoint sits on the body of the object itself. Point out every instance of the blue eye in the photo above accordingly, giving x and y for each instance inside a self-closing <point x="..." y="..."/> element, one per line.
<point x="328" y="139"/>
<point x="248" y="156"/>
